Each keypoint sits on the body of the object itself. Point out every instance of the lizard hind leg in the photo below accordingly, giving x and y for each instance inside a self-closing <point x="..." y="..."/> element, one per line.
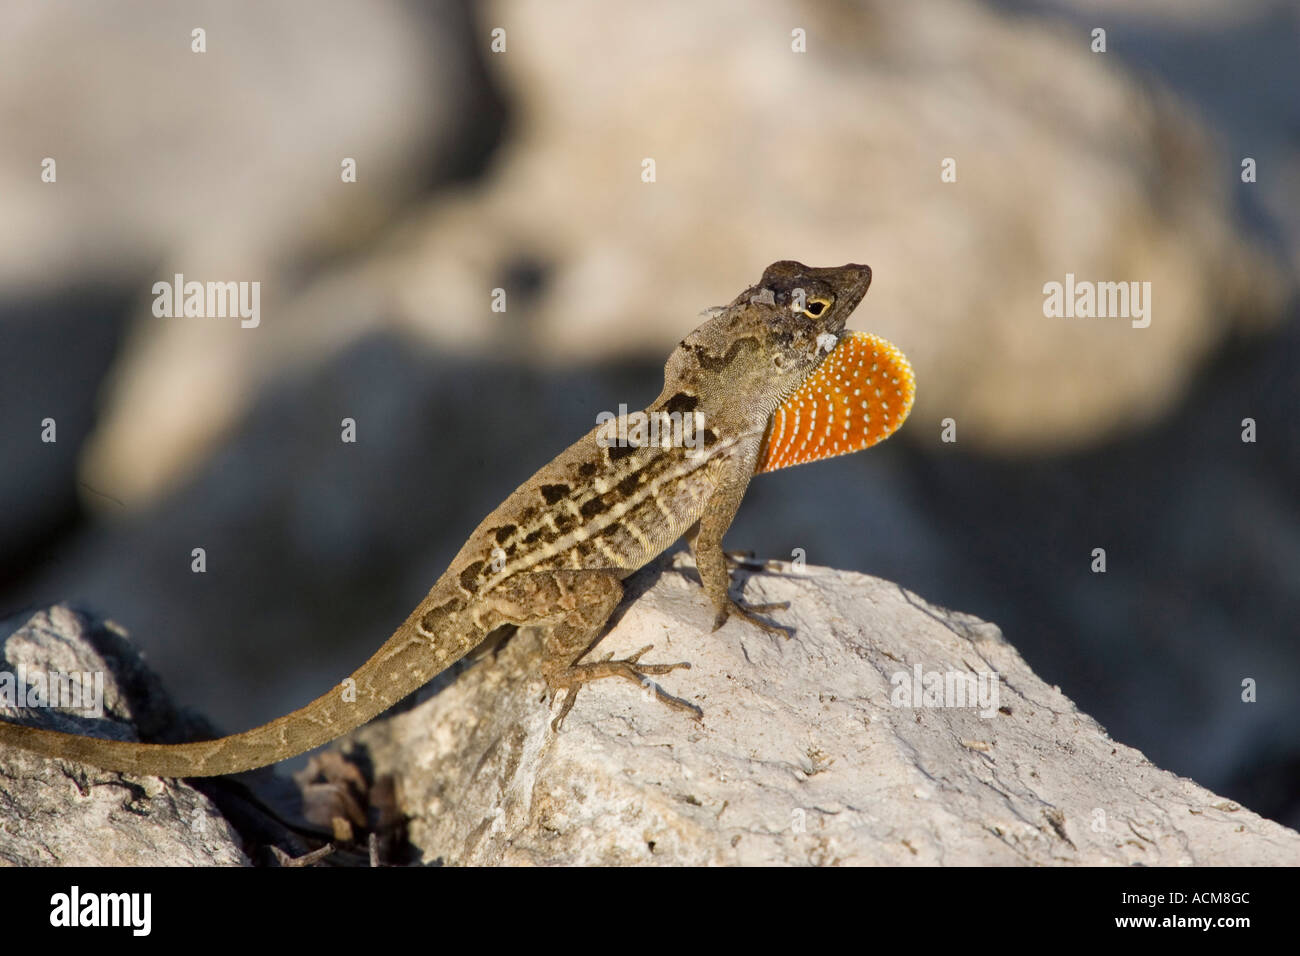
<point x="570" y="677"/>
<point x="578" y="606"/>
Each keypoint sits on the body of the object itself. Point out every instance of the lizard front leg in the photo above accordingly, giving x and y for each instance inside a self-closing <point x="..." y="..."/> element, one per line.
<point x="571" y="609"/>
<point x="705" y="540"/>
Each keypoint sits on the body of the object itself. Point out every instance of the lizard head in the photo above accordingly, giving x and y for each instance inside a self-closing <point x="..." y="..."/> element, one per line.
<point x="750" y="355"/>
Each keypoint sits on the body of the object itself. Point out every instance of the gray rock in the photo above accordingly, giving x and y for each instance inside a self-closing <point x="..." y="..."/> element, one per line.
<point x="1066" y="162"/>
<point x="57" y="813"/>
<point x="223" y="166"/>
<point x="808" y="752"/>
<point x="804" y="755"/>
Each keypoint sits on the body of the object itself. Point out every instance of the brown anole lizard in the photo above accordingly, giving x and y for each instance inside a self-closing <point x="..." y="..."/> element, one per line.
<point x="768" y="381"/>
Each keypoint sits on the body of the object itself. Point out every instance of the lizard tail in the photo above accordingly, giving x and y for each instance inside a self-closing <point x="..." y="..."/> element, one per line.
<point x="405" y="663"/>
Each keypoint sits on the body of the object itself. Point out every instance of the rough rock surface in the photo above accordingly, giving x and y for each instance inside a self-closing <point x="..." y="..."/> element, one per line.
<point x="59" y="813"/>
<point x="805" y="753"/>
<point x="800" y="757"/>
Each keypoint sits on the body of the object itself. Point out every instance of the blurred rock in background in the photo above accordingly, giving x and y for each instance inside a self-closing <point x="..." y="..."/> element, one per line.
<point x="523" y="171"/>
<point x="220" y="165"/>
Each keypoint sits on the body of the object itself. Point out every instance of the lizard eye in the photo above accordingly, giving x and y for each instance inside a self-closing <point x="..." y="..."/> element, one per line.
<point x="816" y="306"/>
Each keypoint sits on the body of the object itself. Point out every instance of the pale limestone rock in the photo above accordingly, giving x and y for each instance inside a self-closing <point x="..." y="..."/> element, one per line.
<point x="224" y="165"/>
<point x="805" y="755"/>
<point x="56" y="813"/>
<point x="800" y="757"/>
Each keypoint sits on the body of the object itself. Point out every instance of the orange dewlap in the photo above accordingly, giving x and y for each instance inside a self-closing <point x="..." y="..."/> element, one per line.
<point x="857" y="397"/>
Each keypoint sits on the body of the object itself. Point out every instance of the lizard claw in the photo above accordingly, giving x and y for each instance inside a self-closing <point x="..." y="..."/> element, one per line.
<point x="751" y="613"/>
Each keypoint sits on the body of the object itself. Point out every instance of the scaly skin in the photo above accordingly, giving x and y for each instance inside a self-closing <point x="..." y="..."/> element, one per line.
<point x="555" y="553"/>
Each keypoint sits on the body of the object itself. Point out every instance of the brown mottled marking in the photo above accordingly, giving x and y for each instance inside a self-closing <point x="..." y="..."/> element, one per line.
<point x="681" y="402"/>
<point x="553" y="493"/>
<point x="469" y="576"/>
<point x="570" y="544"/>
<point x="433" y="618"/>
<point x="713" y="362"/>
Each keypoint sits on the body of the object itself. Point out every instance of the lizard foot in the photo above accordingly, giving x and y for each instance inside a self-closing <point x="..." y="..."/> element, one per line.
<point x="751" y="562"/>
<point x="750" y="613"/>
<point x="630" y="668"/>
